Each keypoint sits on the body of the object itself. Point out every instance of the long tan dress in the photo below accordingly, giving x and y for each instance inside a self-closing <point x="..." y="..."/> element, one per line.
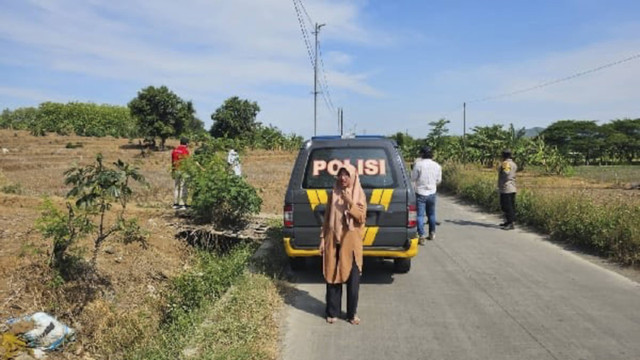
<point x="343" y="230"/>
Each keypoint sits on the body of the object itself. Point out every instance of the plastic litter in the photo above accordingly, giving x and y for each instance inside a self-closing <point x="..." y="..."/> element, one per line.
<point x="46" y="333"/>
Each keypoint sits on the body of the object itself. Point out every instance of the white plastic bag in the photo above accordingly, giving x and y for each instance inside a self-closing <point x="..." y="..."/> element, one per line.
<point x="47" y="333"/>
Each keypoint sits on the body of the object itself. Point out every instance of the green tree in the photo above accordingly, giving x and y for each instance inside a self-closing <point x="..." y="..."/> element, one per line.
<point x="581" y="140"/>
<point x="622" y="139"/>
<point x="486" y="143"/>
<point x="235" y="118"/>
<point x="437" y="136"/>
<point x="161" y="113"/>
<point x="407" y="144"/>
<point x="18" y="119"/>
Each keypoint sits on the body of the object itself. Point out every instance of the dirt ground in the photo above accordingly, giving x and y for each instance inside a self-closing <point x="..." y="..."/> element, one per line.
<point x="33" y="167"/>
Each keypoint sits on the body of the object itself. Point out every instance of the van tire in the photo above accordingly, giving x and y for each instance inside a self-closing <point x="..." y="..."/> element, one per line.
<point x="401" y="265"/>
<point x="297" y="263"/>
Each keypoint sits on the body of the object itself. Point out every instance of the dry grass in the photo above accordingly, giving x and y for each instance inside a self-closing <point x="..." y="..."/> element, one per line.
<point x="604" y="192"/>
<point x="269" y="172"/>
<point x="124" y="306"/>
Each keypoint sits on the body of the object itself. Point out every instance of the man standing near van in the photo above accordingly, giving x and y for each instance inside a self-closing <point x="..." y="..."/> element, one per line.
<point x="426" y="175"/>
<point x="507" y="188"/>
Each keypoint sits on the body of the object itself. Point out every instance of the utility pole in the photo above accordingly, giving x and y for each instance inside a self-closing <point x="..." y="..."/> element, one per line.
<point x="464" y="132"/>
<point x="464" y="122"/>
<point x="315" y="81"/>
<point x="340" y="121"/>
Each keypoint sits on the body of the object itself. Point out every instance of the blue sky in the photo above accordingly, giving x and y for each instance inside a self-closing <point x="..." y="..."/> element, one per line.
<point x="391" y="65"/>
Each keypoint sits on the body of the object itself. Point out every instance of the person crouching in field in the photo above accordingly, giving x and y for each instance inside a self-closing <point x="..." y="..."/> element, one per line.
<point x="179" y="177"/>
<point x="341" y="243"/>
<point x="507" y="188"/>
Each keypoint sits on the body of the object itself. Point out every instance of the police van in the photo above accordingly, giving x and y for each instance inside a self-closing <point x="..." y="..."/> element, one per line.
<point x="390" y="229"/>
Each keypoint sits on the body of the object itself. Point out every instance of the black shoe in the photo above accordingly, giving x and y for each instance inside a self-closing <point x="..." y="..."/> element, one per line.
<point x="508" y="227"/>
<point x="503" y="224"/>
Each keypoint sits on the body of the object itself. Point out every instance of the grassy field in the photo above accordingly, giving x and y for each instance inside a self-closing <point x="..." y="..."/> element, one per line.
<point x="136" y="278"/>
<point x="620" y="175"/>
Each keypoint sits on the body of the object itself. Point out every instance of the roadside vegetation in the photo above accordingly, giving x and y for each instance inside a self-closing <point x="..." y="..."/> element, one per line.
<point x="606" y="227"/>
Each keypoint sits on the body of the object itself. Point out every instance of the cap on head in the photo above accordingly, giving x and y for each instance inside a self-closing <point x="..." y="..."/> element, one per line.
<point x="184" y="141"/>
<point x="506" y="154"/>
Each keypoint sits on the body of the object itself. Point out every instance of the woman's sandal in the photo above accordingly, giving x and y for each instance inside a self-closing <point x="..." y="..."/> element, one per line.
<point x="331" y="320"/>
<point x="354" y="321"/>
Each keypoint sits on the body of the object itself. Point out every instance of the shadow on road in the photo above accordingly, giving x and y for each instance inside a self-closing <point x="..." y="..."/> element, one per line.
<point x="473" y="223"/>
<point x="375" y="271"/>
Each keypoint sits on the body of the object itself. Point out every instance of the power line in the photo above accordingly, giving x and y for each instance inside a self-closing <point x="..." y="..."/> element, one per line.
<point x="325" y="85"/>
<point x="306" y="13"/>
<point x="548" y="83"/>
<point x="303" y="29"/>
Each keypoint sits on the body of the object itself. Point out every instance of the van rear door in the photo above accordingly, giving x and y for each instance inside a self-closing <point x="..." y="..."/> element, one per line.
<point x="382" y="179"/>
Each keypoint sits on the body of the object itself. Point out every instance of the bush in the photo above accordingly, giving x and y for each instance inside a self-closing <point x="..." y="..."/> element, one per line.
<point x="75" y="145"/>
<point x="219" y="196"/>
<point x="12" y="189"/>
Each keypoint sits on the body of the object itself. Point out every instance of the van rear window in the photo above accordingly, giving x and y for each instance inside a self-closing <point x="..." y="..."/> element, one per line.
<point x="374" y="167"/>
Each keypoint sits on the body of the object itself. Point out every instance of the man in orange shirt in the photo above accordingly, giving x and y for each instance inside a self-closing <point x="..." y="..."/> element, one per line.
<point x="179" y="177"/>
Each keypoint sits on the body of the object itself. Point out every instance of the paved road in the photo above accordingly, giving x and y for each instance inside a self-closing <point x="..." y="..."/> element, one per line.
<point x="477" y="292"/>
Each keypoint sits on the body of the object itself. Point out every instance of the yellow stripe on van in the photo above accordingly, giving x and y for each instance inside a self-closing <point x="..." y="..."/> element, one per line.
<point x="317" y="197"/>
<point x="386" y="198"/>
<point x="370" y="235"/>
<point x="322" y="196"/>
<point x="375" y="196"/>
<point x="313" y="198"/>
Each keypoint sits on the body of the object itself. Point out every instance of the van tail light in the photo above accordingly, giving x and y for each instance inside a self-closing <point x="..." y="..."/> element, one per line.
<point x="412" y="216"/>
<point x="287" y="215"/>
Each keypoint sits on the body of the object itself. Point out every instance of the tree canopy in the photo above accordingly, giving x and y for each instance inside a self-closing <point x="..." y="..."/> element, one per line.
<point x="161" y="113"/>
<point x="235" y="118"/>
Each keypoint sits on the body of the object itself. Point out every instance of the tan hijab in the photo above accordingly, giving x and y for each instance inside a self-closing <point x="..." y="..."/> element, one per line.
<point x="343" y="229"/>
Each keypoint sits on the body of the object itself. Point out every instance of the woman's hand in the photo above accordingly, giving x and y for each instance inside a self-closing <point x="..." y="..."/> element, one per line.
<point x="321" y="247"/>
<point x="346" y="196"/>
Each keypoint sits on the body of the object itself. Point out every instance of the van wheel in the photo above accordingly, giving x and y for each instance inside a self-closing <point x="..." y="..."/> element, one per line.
<point x="401" y="266"/>
<point x="297" y="263"/>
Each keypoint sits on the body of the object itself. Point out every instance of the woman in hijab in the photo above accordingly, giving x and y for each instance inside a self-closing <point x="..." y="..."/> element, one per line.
<point x="341" y="243"/>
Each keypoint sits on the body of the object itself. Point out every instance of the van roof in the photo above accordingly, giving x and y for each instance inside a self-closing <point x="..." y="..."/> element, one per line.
<point x="337" y="137"/>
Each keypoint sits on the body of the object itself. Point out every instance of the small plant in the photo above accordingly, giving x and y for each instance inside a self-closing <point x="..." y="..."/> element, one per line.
<point x="12" y="189"/>
<point x="96" y="188"/>
<point x="71" y="145"/>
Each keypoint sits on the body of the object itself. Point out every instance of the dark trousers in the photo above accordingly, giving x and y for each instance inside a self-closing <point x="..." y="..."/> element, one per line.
<point x="334" y="295"/>
<point x="508" y="205"/>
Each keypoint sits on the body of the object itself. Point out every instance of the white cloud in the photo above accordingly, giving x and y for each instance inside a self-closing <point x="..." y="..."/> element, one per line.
<point x="197" y="44"/>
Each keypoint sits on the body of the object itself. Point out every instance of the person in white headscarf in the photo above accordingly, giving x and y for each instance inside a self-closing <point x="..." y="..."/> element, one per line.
<point x="233" y="159"/>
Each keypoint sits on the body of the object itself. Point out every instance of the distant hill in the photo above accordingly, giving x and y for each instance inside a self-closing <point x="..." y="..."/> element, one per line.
<point x="533" y="131"/>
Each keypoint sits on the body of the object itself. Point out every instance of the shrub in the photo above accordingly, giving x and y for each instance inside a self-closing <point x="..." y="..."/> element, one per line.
<point x="75" y="145"/>
<point x="96" y="188"/>
<point x="12" y="189"/>
<point x="219" y="196"/>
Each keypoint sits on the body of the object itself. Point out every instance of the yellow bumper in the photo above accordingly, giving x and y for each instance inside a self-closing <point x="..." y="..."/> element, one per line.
<point x="408" y="253"/>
